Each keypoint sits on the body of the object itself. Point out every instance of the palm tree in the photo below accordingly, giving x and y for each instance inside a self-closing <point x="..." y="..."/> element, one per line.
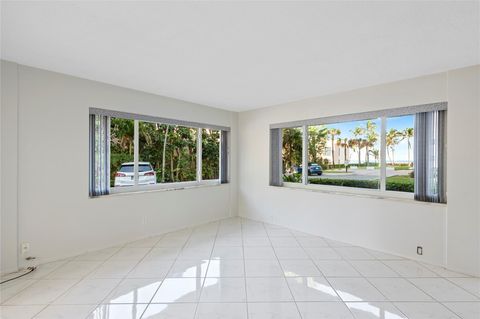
<point x="393" y="138"/>
<point x="339" y="146"/>
<point x="352" y="143"/>
<point x="317" y="138"/>
<point x="375" y="154"/>
<point x="292" y="147"/>
<point x="334" y="132"/>
<point x="371" y="137"/>
<point x="408" y="133"/>
<point x="345" y="144"/>
<point x="358" y="132"/>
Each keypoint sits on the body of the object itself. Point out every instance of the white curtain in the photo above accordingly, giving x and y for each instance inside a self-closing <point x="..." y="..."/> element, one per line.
<point x="430" y="156"/>
<point x="99" y="155"/>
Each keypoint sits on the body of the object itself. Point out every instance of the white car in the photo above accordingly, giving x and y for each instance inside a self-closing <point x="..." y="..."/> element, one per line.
<point x="125" y="175"/>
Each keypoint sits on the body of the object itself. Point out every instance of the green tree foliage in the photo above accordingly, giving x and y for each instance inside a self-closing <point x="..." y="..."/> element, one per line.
<point x="292" y="148"/>
<point x="170" y="149"/>
<point x="393" y="138"/>
<point x="333" y="132"/>
<point x="176" y="144"/>
<point x="317" y="138"/>
<point x="210" y="154"/>
<point x="121" y="146"/>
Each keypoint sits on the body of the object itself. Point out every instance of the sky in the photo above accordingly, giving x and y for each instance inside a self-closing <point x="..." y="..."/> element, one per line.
<point x="399" y="123"/>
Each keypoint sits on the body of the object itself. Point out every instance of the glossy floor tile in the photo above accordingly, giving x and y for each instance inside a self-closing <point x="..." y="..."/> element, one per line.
<point x="273" y="310"/>
<point x="240" y="269"/>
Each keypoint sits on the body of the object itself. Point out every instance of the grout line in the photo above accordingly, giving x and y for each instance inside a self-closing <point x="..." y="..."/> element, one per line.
<point x="206" y="271"/>
<point x="244" y="267"/>
<point x="82" y="278"/>
<point x="171" y="266"/>
<point x="326" y="279"/>
<point x="243" y="223"/>
<point x="283" y="272"/>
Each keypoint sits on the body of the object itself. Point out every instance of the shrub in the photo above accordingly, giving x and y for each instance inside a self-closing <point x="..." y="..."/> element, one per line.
<point x="394" y="183"/>
<point x="401" y="183"/>
<point x="293" y="178"/>
<point x="346" y="182"/>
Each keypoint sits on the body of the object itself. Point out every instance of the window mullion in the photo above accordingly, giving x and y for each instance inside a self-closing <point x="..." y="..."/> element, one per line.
<point x="135" y="151"/>
<point x="383" y="154"/>
<point x="199" y="154"/>
<point x="305" y="155"/>
<point x="108" y="154"/>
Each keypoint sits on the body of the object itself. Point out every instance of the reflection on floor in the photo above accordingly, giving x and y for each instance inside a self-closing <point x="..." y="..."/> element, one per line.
<point x="238" y="268"/>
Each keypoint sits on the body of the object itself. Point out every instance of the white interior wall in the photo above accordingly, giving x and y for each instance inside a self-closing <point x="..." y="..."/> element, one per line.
<point x="463" y="174"/>
<point x="8" y="172"/>
<point x="61" y="220"/>
<point x="55" y="214"/>
<point x="376" y="223"/>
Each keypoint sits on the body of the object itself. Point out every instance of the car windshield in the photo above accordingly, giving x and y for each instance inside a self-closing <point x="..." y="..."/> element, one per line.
<point x="129" y="168"/>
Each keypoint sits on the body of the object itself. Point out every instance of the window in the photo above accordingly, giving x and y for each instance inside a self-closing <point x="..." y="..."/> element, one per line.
<point x="131" y="152"/>
<point x="170" y="149"/>
<point x="210" y="154"/>
<point x="345" y="154"/>
<point x="292" y="154"/>
<point x="379" y="151"/>
<point x="121" y="152"/>
<point x="400" y="153"/>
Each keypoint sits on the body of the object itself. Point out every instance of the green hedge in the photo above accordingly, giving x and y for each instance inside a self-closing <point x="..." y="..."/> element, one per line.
<point x="401" y="183"/>
<point x="394" y="183"/>
<point x="346" y="182"/>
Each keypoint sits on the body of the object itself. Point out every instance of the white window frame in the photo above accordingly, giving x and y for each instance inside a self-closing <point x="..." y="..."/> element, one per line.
<point x="173" y="185"/>
<point x="383" y="115"/>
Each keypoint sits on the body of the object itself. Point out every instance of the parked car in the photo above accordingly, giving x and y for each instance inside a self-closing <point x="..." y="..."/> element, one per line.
<point x="313" y="169"/>
<point x="125" y="175"/>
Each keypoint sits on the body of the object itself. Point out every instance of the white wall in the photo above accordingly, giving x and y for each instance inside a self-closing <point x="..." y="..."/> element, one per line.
<point x="55" y="214"/>
<point x="8" y="171"/>
<point x="50" y="121"/>
<point x="388" y="225"/>
<point x="463" y="173"/>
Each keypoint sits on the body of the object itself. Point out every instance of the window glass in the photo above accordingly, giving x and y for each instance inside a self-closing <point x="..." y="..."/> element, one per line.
<point x="345" y="154"/>
<point x="210" y="154"/>
<point x="400" y="153"/>
<point x="167" y="153"/>
<point x="292" y="154"/>
<point x="128" y="168"/>
<point x="121" y="152"/>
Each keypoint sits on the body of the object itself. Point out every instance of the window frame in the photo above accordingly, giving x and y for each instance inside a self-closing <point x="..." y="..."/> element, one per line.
<point x="383" y="115"/>
<point x="137" y="118"/>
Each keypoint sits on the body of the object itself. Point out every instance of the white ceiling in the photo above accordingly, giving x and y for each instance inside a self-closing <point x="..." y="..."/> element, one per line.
<point x="242" y="55"/>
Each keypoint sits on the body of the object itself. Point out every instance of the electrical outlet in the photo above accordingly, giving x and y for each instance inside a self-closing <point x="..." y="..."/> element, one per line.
<point x="25" y="248"/>
<point x="419" y="250"/>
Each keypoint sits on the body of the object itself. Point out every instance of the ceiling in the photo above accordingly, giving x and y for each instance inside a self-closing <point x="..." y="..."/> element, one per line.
<point x="242" y="55"/>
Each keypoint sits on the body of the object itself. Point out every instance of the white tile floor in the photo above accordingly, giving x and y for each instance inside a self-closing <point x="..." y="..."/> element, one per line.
<point x="236" y="269"/>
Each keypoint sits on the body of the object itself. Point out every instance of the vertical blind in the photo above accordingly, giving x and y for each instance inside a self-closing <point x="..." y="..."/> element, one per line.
<point x="223" y="157"/>
<point x="276" y="157"/>
<point x="430" y="157"/>
<point x="99" y="155"/>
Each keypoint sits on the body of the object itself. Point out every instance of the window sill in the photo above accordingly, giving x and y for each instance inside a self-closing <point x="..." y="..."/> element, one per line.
<point x="131" y="190"/>
<point x="358" y="192"/>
